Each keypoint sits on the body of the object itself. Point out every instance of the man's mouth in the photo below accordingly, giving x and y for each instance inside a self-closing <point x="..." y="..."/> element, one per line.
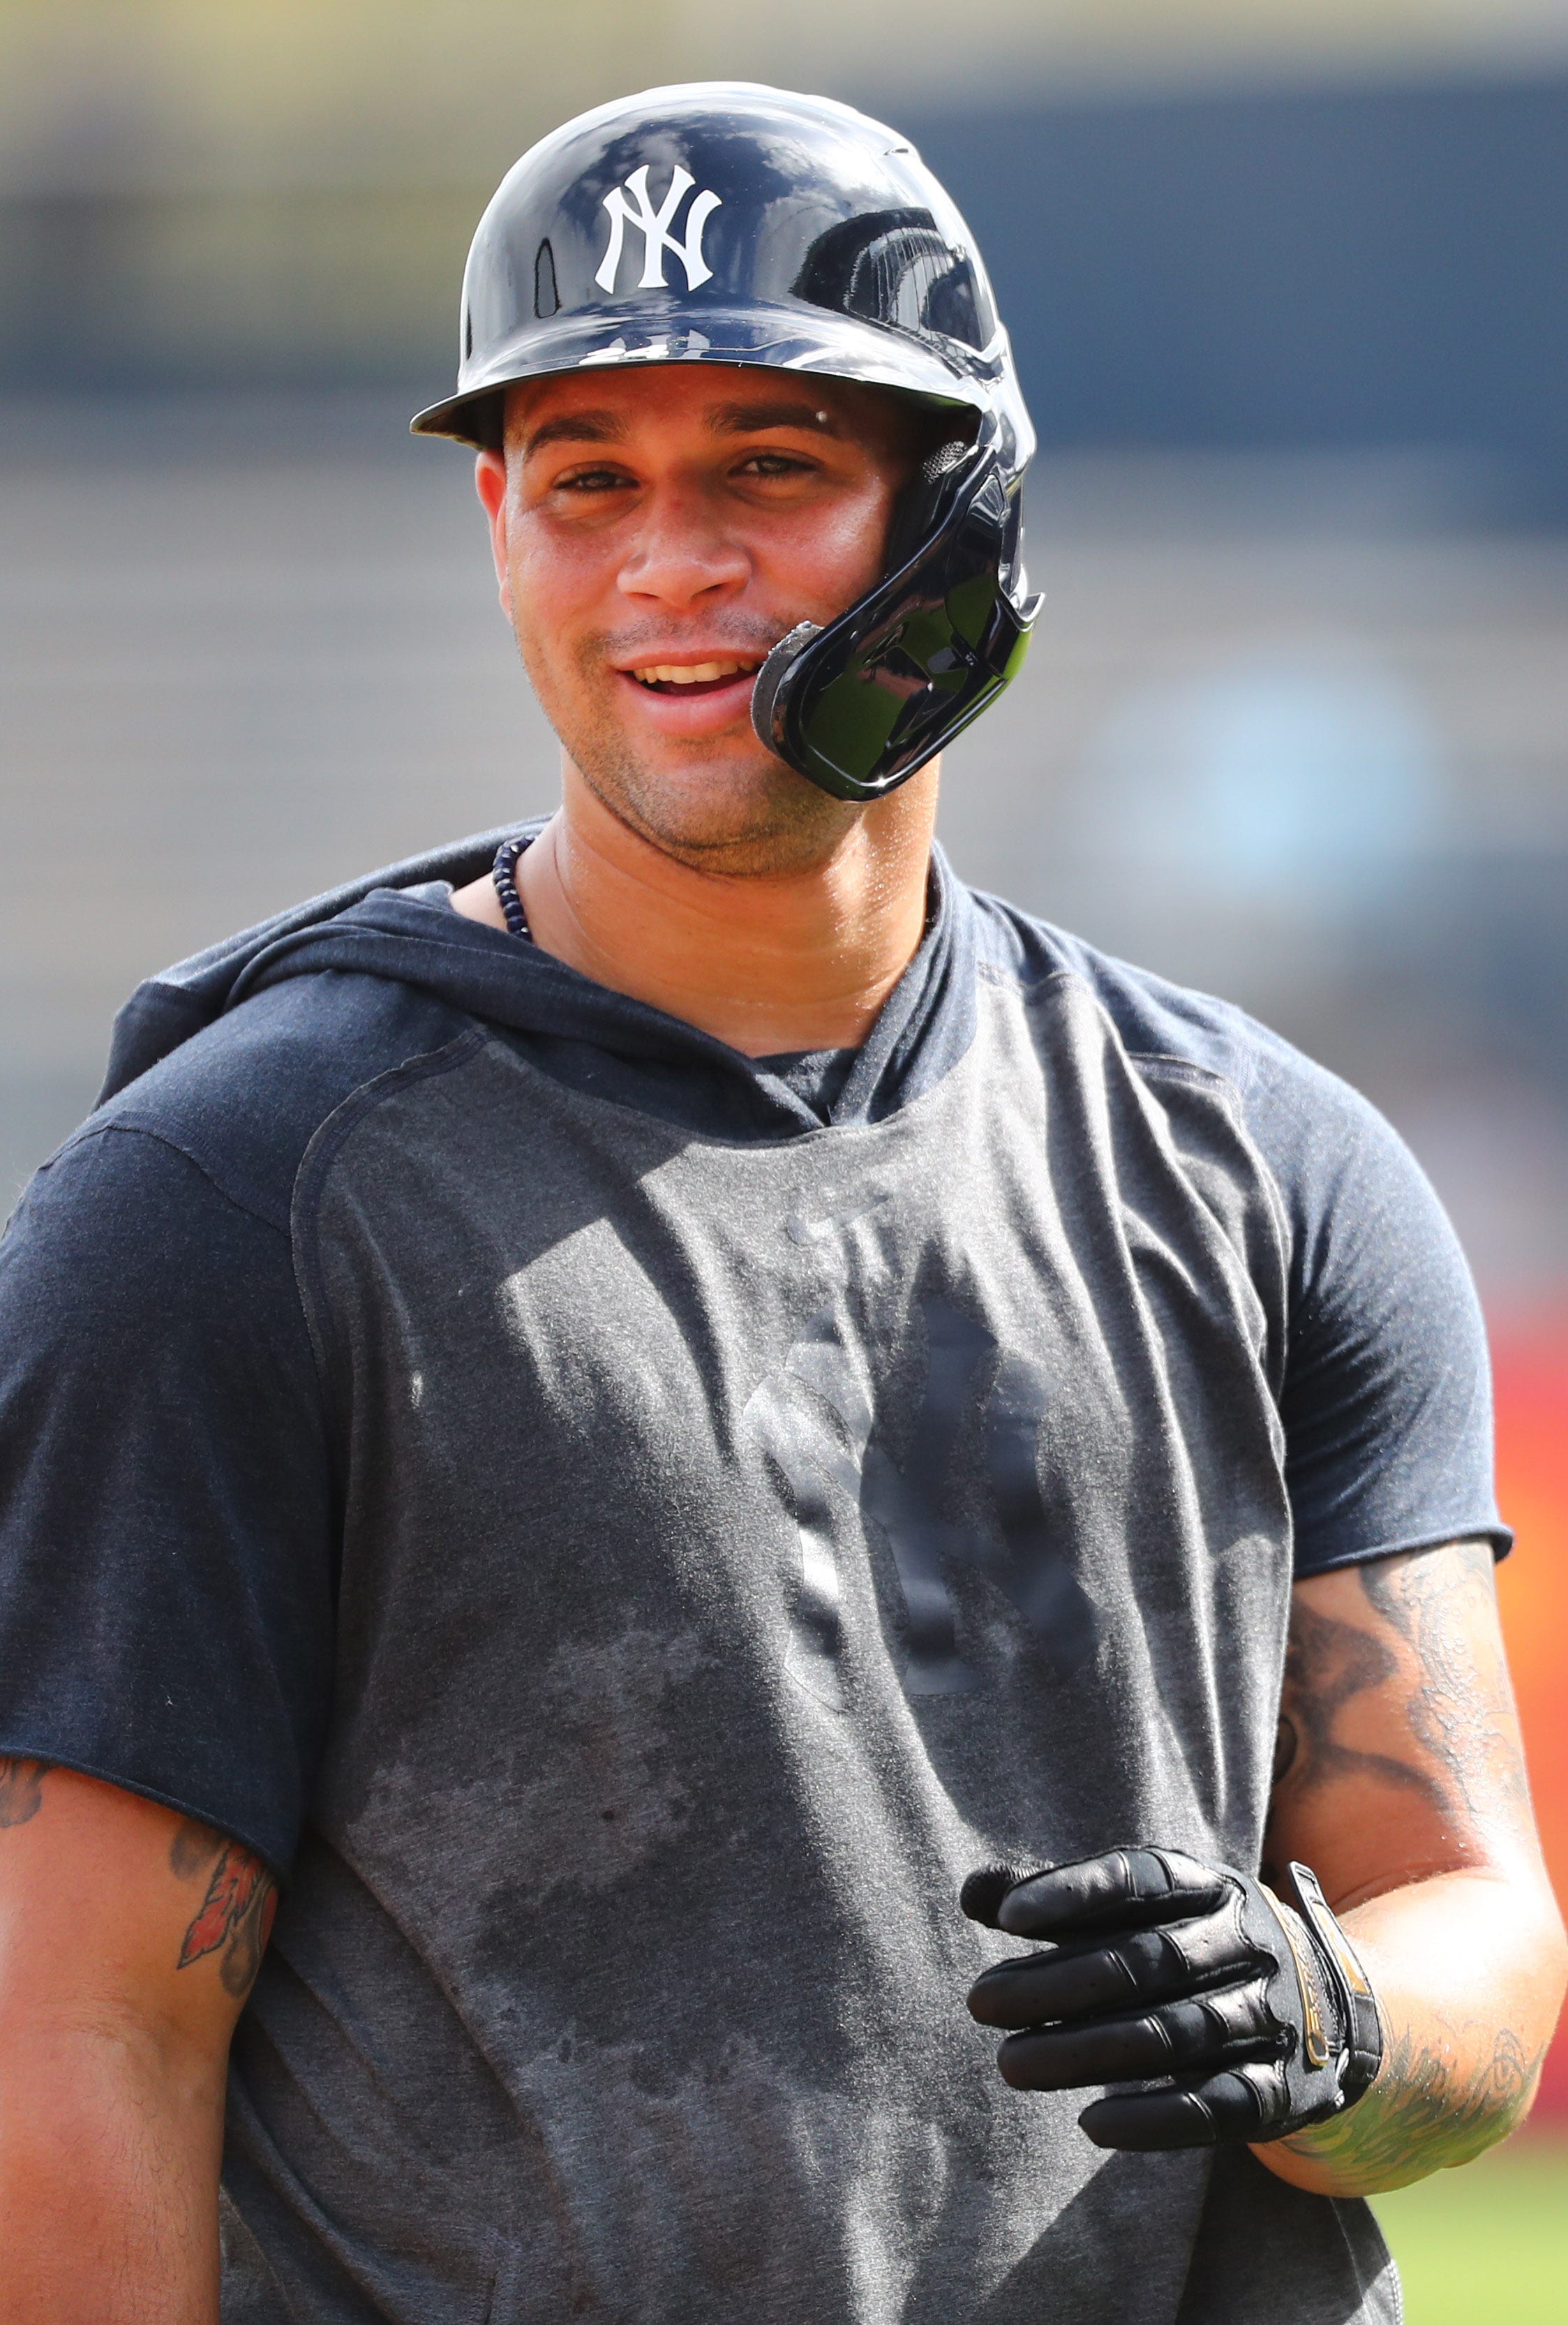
<point x="691" y="678"/>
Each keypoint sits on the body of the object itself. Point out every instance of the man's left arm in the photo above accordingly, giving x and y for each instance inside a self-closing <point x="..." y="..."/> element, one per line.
<point x="1400" y="1780"/>
<point x="1212" y="2009"/>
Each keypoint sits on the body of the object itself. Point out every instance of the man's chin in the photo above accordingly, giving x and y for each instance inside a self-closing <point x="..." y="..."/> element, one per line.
<point x="729" y="803"/>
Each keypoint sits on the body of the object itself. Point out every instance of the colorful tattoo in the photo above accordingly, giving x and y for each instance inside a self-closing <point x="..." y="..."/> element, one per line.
<point x="236" y="1919"/>
<point x="21" y="1791"/>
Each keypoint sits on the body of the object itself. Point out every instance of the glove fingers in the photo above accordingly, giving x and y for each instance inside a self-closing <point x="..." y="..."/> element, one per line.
<point x="1126" y="1888"/>
<point x="1235" y="2013"/>
<point x="1181" y="2038"/>
<point x="983" y="1891"/>
<point x="1244" y="2103"/>
<point x="1145" y="1966"/>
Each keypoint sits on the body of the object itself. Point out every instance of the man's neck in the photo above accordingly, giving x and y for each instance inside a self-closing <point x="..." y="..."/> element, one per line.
<point x="768" y="962"/>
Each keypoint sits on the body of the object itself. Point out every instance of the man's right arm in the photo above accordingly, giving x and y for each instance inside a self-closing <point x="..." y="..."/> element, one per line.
<point x="129" y="1939"/>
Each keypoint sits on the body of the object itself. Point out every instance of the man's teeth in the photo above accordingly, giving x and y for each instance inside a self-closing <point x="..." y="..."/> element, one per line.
<point x="691" y="673"/>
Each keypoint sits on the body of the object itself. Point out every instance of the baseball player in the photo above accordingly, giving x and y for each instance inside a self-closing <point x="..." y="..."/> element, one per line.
<point x="661" y="1476"/>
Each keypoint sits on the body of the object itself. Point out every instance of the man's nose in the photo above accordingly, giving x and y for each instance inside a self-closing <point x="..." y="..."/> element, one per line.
<point x="684" y="553"/>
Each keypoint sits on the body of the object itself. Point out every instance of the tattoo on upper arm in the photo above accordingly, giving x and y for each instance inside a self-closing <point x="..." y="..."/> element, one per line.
<point x="1423" y="1598"/>
<point x="1429" y="1614"/>
<point x="236" y="1916"/>
<point x="1326" y="1665"/>
<point x="21" y="1791"/>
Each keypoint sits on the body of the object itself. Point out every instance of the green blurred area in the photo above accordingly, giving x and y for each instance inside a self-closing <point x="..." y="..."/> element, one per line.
<point x="1486" y="2242"/>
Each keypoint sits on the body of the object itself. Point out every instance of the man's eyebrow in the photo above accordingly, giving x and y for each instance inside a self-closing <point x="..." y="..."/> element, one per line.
<point x="607" y="427"/>
<point x="575" y="427"/>
<point x="752" y="419"/>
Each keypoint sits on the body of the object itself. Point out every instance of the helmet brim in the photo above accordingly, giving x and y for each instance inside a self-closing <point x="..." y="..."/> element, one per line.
<point x="777" y="338"/>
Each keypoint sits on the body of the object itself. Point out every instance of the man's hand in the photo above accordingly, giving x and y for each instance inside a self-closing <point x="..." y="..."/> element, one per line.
<point x="1248" y="2021"/>
<point x="129" y="1939"/>
<point x="1399" y="1778"/>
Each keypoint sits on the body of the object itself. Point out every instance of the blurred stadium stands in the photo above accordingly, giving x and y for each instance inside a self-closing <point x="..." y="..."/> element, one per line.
<point x="1287" y="284"/>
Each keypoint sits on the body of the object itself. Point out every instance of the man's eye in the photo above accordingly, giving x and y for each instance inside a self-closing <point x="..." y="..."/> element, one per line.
<point x="773" y="464"/>
<point x="592" y="480"/>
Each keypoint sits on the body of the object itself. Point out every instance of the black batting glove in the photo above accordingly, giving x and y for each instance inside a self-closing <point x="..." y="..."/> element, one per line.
<point x="1244" y="2020"/>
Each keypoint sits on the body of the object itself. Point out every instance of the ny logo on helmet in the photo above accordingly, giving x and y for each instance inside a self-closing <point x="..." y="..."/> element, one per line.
<point x="654" y="225"/>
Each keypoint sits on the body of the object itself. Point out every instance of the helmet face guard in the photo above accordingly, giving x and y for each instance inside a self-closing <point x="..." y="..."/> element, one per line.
<point x="724" y="222"/>
<point x="858" y="707"/>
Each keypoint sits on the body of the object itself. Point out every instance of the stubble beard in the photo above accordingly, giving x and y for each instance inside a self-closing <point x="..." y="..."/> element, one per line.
<point x="748" y="815"/>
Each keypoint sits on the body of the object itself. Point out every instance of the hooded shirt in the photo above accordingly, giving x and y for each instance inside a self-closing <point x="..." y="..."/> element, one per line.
<point x="621" y="1529"/>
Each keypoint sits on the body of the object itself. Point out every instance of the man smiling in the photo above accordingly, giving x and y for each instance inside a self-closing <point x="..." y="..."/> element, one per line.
<point x="650" y="552"/>
<point x="606" y="1422"/>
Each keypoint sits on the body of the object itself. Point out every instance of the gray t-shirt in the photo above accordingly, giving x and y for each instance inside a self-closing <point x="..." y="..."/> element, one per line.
<point x="624" y="1546"/>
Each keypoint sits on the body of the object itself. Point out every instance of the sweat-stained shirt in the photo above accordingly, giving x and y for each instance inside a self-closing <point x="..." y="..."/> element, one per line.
<point x="622" y="1529"/>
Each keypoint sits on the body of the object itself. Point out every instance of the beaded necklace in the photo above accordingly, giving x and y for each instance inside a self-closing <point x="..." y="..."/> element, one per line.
<point x="503" y="873"/>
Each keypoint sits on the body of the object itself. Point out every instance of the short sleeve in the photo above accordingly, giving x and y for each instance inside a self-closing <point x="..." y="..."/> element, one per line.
<point x="166" y="1499"/>
<point x="1387" y="1392"/>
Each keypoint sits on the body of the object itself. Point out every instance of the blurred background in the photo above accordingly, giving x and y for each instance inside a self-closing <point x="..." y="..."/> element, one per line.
<point x="1287" y="284"/>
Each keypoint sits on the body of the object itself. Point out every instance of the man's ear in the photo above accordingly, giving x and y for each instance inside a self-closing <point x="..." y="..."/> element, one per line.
<point x="490" y="483"/>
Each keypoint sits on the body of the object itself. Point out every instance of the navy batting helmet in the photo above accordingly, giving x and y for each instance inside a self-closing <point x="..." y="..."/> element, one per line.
<point x="724" y="222"/>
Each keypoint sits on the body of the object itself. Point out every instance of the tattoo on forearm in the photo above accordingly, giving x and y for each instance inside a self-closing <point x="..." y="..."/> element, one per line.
<point x="21" y="1791"/>
<point x="1419" y="2113"/>
<point x="236" y="1919"/>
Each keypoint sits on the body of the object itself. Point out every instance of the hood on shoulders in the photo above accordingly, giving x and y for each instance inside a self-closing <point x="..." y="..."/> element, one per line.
<point x="167" y="1009"/>
<point x="397" y="923"/>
